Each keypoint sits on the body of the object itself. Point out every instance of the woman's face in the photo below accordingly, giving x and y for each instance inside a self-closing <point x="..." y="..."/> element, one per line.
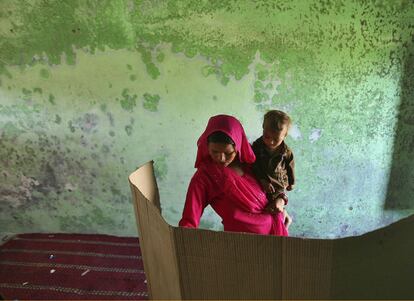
<point x="222" y="153"/>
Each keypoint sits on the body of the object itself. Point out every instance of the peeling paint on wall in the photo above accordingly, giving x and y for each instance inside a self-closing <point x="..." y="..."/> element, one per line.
<point x="90" y="90"/>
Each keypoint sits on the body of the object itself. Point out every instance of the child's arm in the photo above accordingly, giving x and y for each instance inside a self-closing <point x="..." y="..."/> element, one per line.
<point x="267" y="186"/>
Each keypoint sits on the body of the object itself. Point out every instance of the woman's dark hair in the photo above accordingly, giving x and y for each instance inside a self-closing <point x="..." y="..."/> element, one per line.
<point x="219" y="137"/>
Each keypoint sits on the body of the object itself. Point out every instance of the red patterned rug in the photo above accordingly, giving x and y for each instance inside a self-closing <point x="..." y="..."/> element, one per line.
<point x="72" y="266"/>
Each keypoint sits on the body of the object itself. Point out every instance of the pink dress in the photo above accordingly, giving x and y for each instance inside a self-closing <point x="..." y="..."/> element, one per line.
<point x="238" y="200"/>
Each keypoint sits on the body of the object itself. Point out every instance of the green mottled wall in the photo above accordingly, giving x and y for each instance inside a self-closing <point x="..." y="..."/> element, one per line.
<point x="89" y="90"/>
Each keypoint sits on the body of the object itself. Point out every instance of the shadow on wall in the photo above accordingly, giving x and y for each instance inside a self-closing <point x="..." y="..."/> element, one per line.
<point x="400" y="191"/>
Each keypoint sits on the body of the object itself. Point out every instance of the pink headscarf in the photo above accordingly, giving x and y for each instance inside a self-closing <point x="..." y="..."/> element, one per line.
<point x="233" y="128"/>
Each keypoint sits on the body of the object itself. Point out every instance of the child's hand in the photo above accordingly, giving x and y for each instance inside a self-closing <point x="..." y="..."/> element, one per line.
<point x="290" y="187"/>
<point x="275" y="206"/>
<point x="267" y="187"/>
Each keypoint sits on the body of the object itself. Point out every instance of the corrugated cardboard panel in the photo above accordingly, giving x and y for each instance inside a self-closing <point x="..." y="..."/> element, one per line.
<point x="225" y="265"/>
<point x="157" y="246"/>
<point x="307" y="265"/>
<point x="377" y="265"/>
<point x="202" y="264"/>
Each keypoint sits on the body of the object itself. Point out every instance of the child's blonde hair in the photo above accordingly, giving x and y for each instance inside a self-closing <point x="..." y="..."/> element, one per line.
<point x="275" y="120"/>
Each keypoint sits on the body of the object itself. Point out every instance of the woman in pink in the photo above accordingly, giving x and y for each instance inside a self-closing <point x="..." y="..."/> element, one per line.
<point x="224" y="181"/>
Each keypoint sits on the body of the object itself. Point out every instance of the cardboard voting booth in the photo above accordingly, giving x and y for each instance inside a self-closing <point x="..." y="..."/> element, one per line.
<point x="182" y="263"/>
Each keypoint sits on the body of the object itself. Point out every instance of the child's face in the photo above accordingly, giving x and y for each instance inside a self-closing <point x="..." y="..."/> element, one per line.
<point x="221" y="153"/>
<point x="272" y="139"/>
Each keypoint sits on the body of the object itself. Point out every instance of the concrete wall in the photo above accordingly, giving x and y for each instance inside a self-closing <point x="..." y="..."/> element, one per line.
<point x="89" y="90"/>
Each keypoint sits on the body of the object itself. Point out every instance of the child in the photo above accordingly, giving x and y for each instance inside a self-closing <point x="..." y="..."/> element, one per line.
<point x="274" y="166"/>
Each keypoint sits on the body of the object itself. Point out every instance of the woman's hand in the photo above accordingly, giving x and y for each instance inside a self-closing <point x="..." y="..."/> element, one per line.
<point x="275" y="206"/>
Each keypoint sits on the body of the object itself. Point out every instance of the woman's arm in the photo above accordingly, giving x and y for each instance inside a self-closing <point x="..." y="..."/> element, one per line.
<point x="195" y="202"/>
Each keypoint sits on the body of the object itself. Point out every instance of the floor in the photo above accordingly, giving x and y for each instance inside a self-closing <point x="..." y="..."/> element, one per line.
<point x="71" y="266"/>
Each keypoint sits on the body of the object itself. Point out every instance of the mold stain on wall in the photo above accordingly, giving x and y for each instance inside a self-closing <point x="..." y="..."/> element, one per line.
<point x="90" y="90"/>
